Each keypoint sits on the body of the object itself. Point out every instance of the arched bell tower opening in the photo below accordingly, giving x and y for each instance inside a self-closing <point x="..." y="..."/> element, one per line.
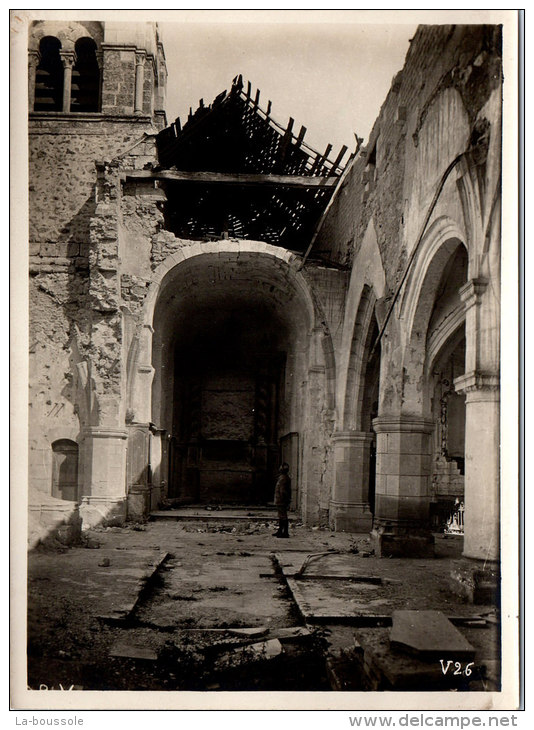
<point x="85" y="77"/>
<point x="49" y="76"/>
<point x="230" y="356"/>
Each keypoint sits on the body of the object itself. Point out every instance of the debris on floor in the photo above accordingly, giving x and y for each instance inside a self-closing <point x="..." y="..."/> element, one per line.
<point x="262" y="651"/>
<point x="172" y="612"/>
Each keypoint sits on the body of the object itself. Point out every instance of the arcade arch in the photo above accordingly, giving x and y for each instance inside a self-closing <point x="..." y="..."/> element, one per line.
<point x="420" y="448"/>
<point x="352" y="503"/>
<point x="222" y="369"/>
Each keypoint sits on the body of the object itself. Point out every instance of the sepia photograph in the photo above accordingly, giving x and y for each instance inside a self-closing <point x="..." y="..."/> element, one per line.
<point x="262" y="300"/>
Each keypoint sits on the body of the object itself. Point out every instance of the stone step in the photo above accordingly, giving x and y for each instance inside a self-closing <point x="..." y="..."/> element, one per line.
<point x="235" y="515"/>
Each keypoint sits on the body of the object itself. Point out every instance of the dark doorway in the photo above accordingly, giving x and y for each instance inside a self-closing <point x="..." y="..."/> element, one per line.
<point x="228" y="378"/>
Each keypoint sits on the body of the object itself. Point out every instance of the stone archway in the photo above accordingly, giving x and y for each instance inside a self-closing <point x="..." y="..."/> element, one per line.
<point x="433" y="310"/>
<point x="352" y="503"/>
<point x="445" y="361"/>
<point x="233" y="344"/>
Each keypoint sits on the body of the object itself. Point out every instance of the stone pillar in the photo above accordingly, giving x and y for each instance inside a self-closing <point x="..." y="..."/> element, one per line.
<point x="68" y="61"/>
<point x="482" y="428"/>
<point x="482" y="417"/>
<point x="139" y="81"/>
<point x="104" y="488"/>
<point x="33" y="62"/>
<point x="313" y="447"/>
<point x="157" y="440"/>
<point x="141" y="397"/>
<point x="100" y="62"/>
<point x="349" y="506"/>
<point x="139" y="470"/>
<point x="475" y="324"/>
<point x="402" y="499"/>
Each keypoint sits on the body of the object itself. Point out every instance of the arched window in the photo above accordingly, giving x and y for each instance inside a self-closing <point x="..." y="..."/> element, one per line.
<point x="85" y="77"/>
<point x="49" y="76"/>
<point x="65" y="470"/>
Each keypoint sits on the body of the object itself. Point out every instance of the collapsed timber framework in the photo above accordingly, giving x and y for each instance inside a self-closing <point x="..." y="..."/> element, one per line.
<point x="220" y="297"/>
<point x="284" y="183"/>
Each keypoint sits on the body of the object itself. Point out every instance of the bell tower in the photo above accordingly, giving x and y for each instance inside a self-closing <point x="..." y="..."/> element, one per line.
<point x="113" y="69"/>
<point x="96" y="90"/>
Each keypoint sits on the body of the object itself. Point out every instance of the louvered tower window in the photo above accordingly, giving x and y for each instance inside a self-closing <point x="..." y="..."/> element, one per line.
<point x="85" y="77"/>
<point x="49" y="76"/>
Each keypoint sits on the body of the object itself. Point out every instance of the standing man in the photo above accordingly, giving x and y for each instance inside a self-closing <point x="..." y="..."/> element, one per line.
<point x="282" y="500"/>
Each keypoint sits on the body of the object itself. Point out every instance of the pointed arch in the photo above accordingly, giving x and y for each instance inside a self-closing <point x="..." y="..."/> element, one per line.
<point x="429" y="324"/>
<point x="364" y="334"/>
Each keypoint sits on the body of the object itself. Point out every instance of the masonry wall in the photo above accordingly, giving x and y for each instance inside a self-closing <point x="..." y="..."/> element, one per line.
<point x="66" y="309"/>
<point x="422" y="199"/>
<point x="461" y="58"/>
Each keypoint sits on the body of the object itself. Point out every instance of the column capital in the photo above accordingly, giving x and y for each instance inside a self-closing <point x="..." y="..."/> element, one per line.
<point x="67" y="58"/>
<point x="471" y="292"/>
<point x="476" y="380"/>
<point x="34" y="58"/>
<point x="104" y="432"/>
<point x="408" y="423"/>
<point x="352" y="436"/>
<point x="140" y="58"/>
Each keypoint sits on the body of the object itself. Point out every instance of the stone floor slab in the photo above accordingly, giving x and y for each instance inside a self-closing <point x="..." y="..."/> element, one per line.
<point x="429" y="633"/>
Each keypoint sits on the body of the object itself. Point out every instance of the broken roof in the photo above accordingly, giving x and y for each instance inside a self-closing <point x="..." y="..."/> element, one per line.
<point x="283" y="184"/>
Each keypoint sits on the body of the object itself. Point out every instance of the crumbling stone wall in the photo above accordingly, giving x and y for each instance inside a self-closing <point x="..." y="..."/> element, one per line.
<point x="62" y="156"/>
<point x="436" y="109"/>
<point x="74" y="293"/>
<point x="464" y="58"/>
<point x="431" y="166"/>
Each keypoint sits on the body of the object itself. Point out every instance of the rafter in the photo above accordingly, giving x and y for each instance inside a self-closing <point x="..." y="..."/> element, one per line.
<point x="186" y="176"/>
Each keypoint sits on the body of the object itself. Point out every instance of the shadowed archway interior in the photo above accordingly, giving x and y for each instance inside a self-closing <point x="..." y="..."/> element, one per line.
<point x="230" y="337"/>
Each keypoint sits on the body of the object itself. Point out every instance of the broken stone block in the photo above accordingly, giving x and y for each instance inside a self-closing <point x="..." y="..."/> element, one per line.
<point x="480" y="587"/>
<point x="132" y="651"/>
<point x="429" y="634"/>
<point x="293" y="632"/>
<point x="262" y="651"/>
<point x="253" y="631"/>
<point x="386" y="668"/>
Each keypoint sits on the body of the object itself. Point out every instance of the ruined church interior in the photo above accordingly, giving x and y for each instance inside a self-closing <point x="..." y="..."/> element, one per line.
<point x="212" y="296"/>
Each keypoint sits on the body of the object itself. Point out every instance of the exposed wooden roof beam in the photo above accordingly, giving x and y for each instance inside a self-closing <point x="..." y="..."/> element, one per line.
<point x="298" y="181"/>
